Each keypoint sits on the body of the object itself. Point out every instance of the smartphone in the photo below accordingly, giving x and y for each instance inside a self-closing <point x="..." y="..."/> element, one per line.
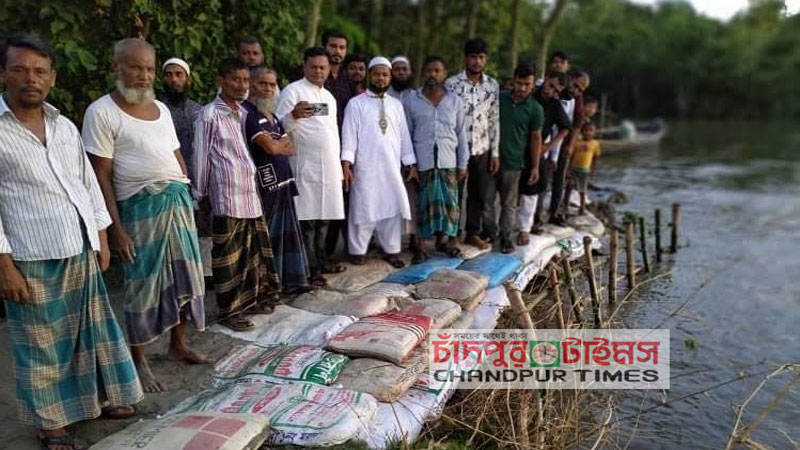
<point x="320" y="109"/>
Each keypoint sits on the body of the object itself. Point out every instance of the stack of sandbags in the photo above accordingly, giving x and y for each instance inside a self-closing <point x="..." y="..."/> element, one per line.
<point x="287" y="325"/>
<point x="487" y="314"/>
<point x="299" y="413"/>
<point x="376" y="299"/>
<point x="460" y="286"/>
<point x="389" y="337"/>
<point x="192" y="431"/>
<point x="383" y="380"/>
<point x="496" y="266"/>
<point x="357" y="277"/>
<point x="442" y="312"/>
<point x="288" y="362"/>
<point x="529" y="270"/>
<point x="588" y="223"/>
<point x="536" y="244"/>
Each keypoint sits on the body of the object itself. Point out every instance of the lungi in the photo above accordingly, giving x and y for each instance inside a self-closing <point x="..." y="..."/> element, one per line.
<point x="244" y="271"/>
<point x="286" y="237"/>
<point x="167" y="272"/>
<point x="70" y="355"/>
<point x="438" y="202"/>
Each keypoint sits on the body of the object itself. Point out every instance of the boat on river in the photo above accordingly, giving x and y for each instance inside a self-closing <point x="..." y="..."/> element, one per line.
<point x="632" y="136"/>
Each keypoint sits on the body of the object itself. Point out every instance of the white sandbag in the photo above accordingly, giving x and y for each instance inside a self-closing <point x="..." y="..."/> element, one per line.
<point x="587" y="223"/>
<point x="289" y="362"/>
<point x="390" y="337"/>
<point x="557" y="231"/>
<point x="287" y="325"/>
<point x="575" y="199"/>
<point x="358" y="277"/>
<point x="464" y="321"/>
<point x="299" y="413"/>
<point x="573" y="246"/>
<point x="191" y="431"/>
<point x="323" y="301"/>
<point x="459" y="286"/>
<point x="537" y="244"/>
<point x="530" y="270"/>
<point x="442" y="312"/>
<point x="381" y="379"/>
<point x="488" y="311"/>
<point x="469" y="252"/>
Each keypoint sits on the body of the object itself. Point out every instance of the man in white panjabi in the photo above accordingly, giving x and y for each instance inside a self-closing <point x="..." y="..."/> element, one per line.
<point x="308" y="113"/>
<point x="375" y="142"/>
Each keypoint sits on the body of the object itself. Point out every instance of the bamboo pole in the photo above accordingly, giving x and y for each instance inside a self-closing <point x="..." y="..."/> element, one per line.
<point x="643" y="244"/>
<point x="520" y="311"/>
<point x="573" y="293"/>
<point x="676" y="218"/>
<point x="587" y="253"/>
<point x="629" y="255"/>
<point x="612" y="268"/>
<point x="557" y="295"/>
<point x="658" y="234"/>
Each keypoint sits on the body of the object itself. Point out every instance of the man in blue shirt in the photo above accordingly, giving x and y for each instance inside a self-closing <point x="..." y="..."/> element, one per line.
<point x="436" y="124"/>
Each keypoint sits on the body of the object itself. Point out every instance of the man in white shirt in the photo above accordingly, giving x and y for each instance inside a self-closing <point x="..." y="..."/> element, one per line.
<point x="375" y="143"/>
<point x="70" y="355"/>
<point x="308" y="113"/>
<point x="136" y="155"/>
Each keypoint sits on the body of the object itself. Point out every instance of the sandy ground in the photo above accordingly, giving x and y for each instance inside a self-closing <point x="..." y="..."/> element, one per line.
<point x="182" y="381"/>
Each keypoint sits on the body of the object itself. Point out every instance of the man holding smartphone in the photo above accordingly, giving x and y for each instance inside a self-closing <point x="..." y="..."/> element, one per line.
<point x="308" y="112"/>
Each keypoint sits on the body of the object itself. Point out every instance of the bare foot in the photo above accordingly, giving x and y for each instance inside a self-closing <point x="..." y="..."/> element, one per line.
<point x="58" y="439"/>
<point x="188" y="355"/>
<point x="150" y="384"/>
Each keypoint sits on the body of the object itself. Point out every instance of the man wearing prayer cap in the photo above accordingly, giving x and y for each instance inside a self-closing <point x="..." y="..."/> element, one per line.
<point x="376" y="145"/>
<point x="401" y="77"/>
<point x="176" y="76"/>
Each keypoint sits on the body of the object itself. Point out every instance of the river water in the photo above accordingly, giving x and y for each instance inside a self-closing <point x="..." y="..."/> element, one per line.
<point x="738" y="274"/>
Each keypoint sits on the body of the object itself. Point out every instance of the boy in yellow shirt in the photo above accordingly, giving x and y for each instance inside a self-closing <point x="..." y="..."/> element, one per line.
<point x="583" y="162"/>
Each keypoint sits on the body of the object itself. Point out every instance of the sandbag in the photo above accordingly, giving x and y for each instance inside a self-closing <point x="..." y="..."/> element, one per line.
<point x="537" y="244"/>
<point x="526" y="274"/>
<point x="358" y="277"/>
<point x="469" y="252"/>
<point x="191" y="431"/>
<point x="381" y="379"/>
<point x="442" y="312"/>
<point x="557" y="231"/>
<point x="497" y="266"/>
<point x="587" y="223"/>
<point x="299" y="413"/>
<point x="289" y="362"/>
<point x="464" y="321"/>
<point x="389" y="336"/>
<point x="573" y="246"/>
<point x="357" y="304"/>
<point x="488" y="312"/>
<point x="287" y="325"/>
<point x="453" y="284"/>
<point x="418" y="273"/>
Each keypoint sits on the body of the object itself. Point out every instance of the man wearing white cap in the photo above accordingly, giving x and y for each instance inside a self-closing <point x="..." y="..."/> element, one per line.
<point x="176" y="78"/>
<point x="401" y="78"/>
<point x="375" y="145"/>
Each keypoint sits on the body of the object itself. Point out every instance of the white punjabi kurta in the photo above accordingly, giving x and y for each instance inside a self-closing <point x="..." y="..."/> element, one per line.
<point x="316" y="165"/>
<point x="378" y="192"/>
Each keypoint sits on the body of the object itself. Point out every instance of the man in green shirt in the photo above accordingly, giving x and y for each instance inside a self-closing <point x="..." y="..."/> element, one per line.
<point x="521" y="119"/>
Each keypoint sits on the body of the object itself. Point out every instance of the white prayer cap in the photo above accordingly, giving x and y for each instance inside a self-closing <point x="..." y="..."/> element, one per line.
<point x="379" y="61"/>
<point x="400" y="58"/>
<point x="178" y="62"/>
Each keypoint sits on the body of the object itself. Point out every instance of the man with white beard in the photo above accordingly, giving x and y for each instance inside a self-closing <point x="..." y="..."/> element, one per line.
<point x="136" y="155"/>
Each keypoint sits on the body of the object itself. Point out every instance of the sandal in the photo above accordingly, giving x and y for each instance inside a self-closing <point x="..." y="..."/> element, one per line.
<point x="334" y="268"/>
<point x="396" y="262"/>
<point x="318" y="281"/>
<point x="450" y="250"/>
<point x="238" y="323"/>
<point x="419" y="256"/>
<point x="115" y="412"/>
<point x="524" y="238"/>
<point x="48" y="442"/>
<point x="357" y="260"/>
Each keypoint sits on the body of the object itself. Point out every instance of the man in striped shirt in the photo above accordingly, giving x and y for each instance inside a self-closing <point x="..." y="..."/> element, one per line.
<point x="70" y="355"/>
<point x="244" y="275"/>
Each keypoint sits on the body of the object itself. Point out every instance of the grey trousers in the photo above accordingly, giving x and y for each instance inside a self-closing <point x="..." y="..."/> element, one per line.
<point x="506" y="183"/>
<point x="314" y="232"/>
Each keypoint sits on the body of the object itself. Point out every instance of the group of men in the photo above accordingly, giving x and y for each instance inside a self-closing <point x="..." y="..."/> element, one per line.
<point x="256" y="189"/>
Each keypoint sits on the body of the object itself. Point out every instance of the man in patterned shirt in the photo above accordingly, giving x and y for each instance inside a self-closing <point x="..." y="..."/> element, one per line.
<point x="479" y="95"/>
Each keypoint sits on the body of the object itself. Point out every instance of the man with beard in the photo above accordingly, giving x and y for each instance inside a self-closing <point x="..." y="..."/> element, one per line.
<point x="555" y="128"/>
<point x="401" y="78"/>
<point x="435" y="119"/>
<point x="176" y="78"/>
<point x="136" y="155"/>
<point x="244" y="278"/>
<point x="308" y="112"/>
<point x="356" y="69"/>
<point x="479" y="98"/>
<point x="250" y="51"/>
<point x="270" y="148"/>
<point x="375" y="144"/>
<point x="70" y="359"/>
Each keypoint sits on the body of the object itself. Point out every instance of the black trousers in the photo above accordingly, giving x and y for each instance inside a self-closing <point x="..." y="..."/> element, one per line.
<point x="337" y="228"/>
<point x="559" y="182"/>
<point x="314" y="232"/>
<point x="480" y="199"/>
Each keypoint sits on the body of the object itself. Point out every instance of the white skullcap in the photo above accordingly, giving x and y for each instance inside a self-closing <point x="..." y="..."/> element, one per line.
<point x="379" y="61"/>
<point x="178" y="62"/>
<point x="400" y="58"/>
